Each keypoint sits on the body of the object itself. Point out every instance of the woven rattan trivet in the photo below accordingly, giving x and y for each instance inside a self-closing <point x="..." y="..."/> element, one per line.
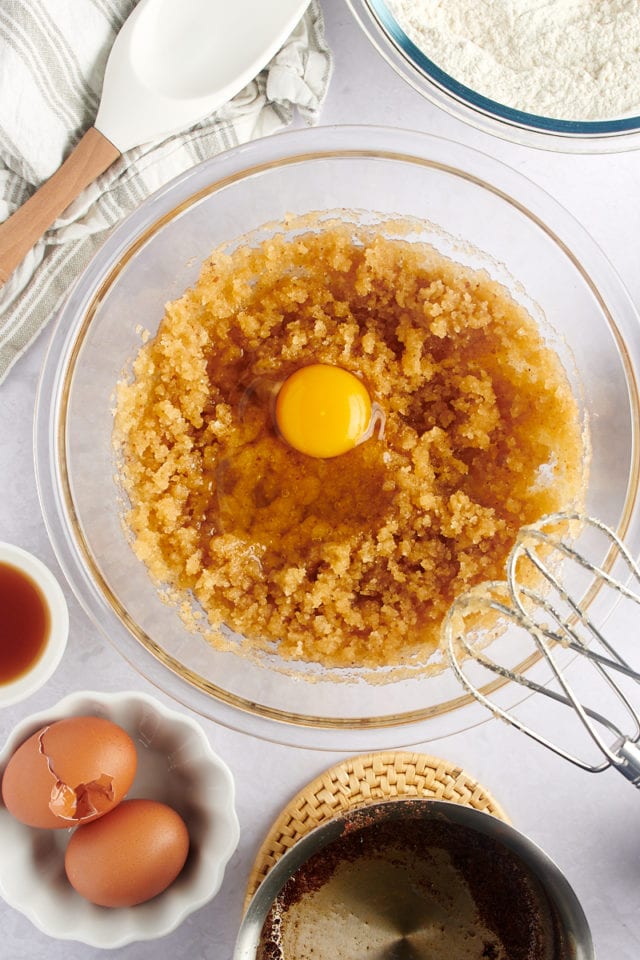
<point x="361" y="780"/>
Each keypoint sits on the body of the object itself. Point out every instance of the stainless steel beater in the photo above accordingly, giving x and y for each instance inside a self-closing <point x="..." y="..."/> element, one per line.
<point x="558" y="598"/>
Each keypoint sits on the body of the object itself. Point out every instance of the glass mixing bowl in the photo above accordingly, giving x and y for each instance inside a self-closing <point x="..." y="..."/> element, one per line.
<point x="469" y="206"/>
<point x="609" y="135"/>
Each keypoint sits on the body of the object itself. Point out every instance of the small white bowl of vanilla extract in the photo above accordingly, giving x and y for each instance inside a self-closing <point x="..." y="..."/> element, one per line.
<point x="34" y="624"/>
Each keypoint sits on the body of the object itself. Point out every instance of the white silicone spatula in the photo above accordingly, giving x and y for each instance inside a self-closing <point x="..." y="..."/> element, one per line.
<point x="173" y="63"/>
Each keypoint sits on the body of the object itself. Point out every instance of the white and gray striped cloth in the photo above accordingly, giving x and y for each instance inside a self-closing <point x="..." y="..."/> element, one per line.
<point x="52" y="59"/>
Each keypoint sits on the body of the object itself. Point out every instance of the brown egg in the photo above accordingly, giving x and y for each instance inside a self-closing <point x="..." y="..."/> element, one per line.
<point x="129" y="855"/>
<point x="69" y="772"/>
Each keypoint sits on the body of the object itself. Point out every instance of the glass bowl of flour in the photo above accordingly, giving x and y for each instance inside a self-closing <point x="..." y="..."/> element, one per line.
<point x="560" y="76"/>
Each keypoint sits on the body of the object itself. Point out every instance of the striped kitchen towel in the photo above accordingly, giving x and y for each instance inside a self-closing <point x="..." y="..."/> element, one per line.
<point x="52" y="59"/>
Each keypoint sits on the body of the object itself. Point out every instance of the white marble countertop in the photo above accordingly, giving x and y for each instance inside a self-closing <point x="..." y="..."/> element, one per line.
<point x="589" y="824"/>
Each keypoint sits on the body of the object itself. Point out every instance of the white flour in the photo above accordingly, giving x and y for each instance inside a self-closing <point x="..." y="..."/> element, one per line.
<point x="567" y="59"/>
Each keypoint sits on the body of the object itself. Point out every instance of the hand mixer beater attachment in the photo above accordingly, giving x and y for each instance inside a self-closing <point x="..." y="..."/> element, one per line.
<point x="565" y="575"/>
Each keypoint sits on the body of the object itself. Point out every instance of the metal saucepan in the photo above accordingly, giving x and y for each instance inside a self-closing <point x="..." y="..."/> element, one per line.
<point x="410" y="879"/>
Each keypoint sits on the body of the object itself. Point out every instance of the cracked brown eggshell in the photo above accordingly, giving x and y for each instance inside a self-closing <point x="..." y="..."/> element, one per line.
<point x="69" y="772"/>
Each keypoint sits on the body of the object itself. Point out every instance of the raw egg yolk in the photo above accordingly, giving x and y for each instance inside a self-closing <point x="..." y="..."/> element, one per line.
<point x="322" y="410"/>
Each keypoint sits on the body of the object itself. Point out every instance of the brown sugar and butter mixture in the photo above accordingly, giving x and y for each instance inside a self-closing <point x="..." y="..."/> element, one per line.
<point x="349" y="560"/>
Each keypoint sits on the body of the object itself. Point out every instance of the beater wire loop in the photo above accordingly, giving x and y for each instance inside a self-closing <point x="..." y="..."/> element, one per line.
<point x="537" y="599"/>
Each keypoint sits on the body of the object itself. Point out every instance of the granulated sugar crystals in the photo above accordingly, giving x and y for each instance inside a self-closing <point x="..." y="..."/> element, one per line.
<point x="563" y="59"/>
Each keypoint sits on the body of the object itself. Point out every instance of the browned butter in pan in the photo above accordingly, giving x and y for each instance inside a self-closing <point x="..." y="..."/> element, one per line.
<point x="408" y="890"/>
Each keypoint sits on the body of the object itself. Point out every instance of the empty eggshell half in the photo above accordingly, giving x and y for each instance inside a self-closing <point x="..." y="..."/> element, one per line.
<point x="69" y="772"/>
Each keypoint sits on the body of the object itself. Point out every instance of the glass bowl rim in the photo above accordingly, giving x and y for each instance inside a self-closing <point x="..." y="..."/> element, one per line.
<point x="442" y="89"/>
<point x="308" y="144"/>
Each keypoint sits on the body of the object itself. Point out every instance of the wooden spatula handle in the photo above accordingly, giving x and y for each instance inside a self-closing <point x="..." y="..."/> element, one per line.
<point x="91" y="157"/>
